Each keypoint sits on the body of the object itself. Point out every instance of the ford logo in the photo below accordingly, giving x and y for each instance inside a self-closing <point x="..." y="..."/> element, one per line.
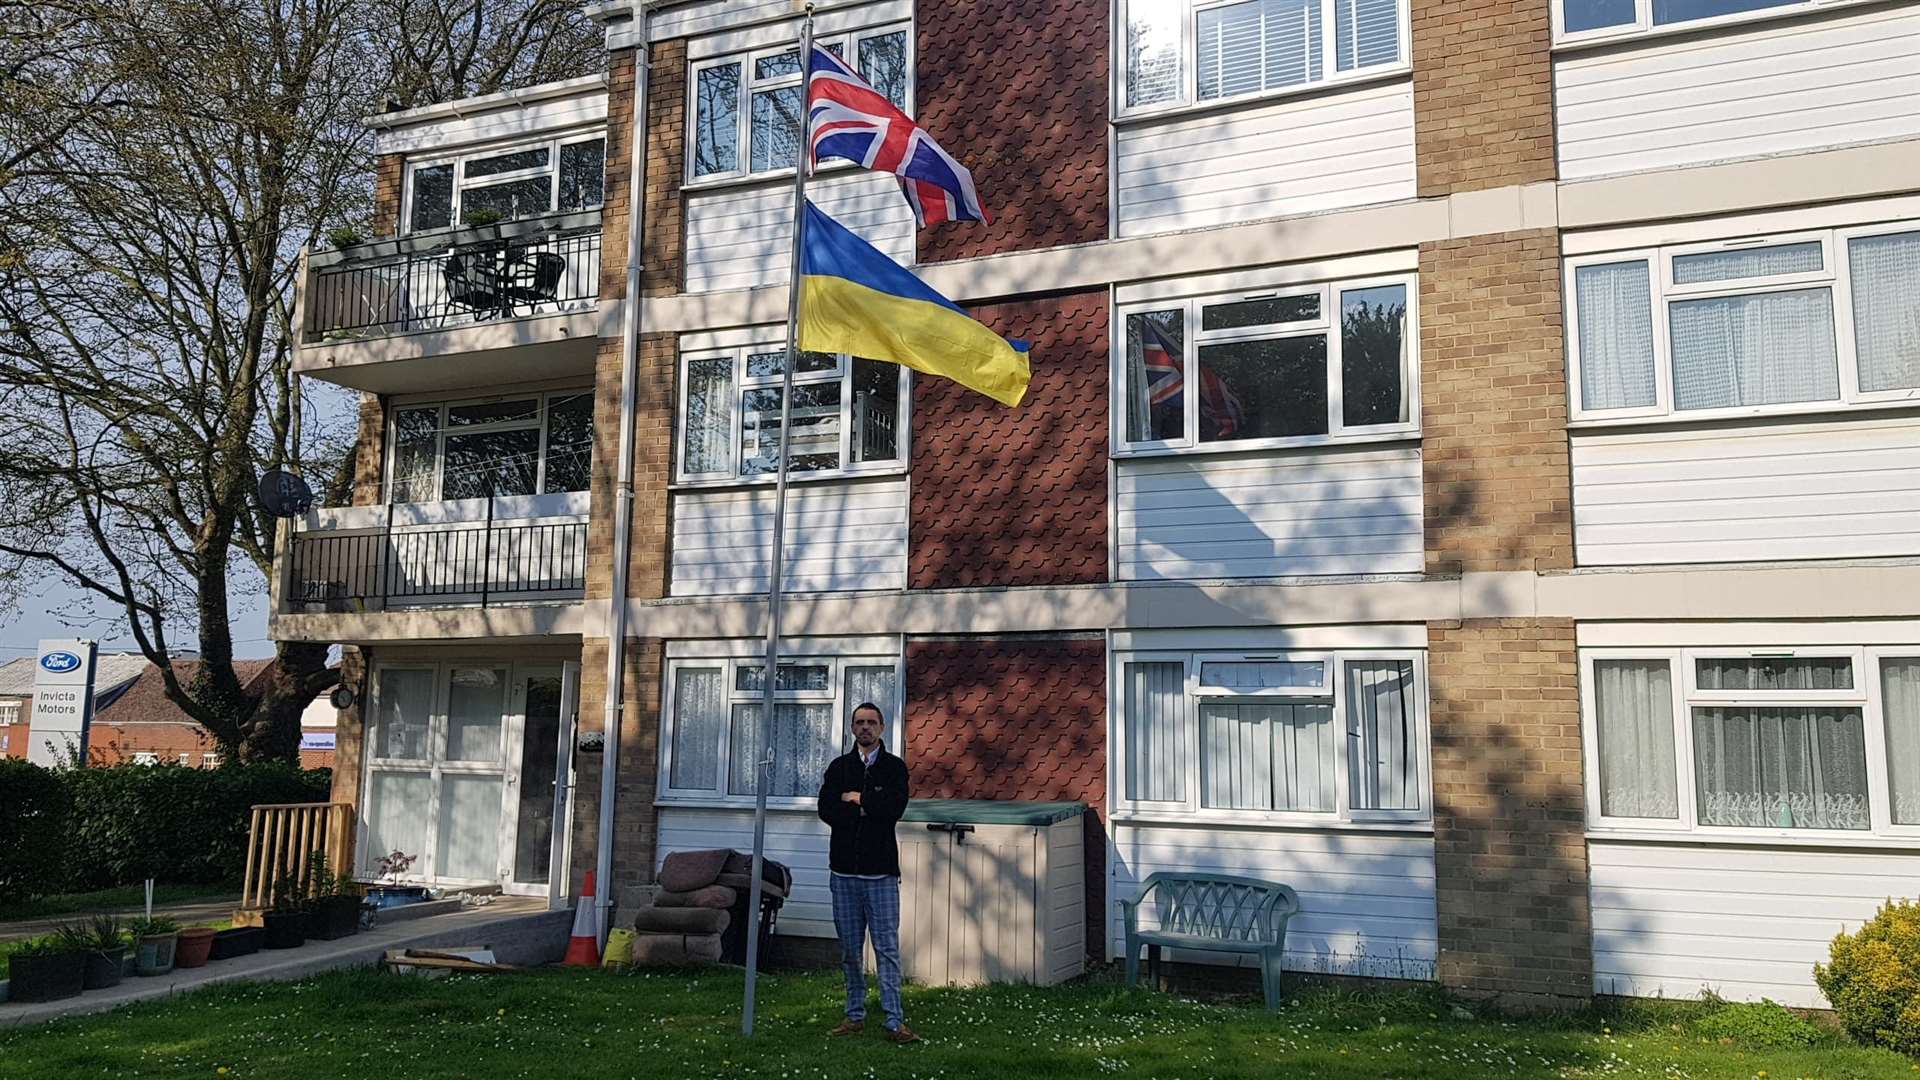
<point x="60" y="661"/>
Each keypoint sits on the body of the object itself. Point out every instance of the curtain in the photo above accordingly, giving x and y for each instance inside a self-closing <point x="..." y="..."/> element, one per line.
<point x="1366" y="32"/>
<point x="1738" y="265"/>
<point x="1383" y="771"/>
<point x="1900" y="701"/>
<point x="803" y="744"/>
<point x="699" y="710"/>
<point x="878" y="685"/>
<point x="476" y="704"/>
<point x="1795" y="767"/>
<point x="1633" y="706"/>
<point x="405" y="714"/>
<point x="469" y="828"/>
<point x="1156" y="731"/>
<point x="1614" y="304"/>
<point x="1264" y="674"/>
<point x="1885" y="271"/>
<point x="1153" y="51"/>
<point x="1775" y="673"/>
<point x="1760" y="349"/>
<point x="709" y="416"/>
<point x="1266" y="757"/>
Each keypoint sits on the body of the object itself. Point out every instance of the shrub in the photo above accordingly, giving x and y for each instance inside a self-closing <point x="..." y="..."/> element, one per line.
<point x="34" y="807"/>
<point x="1873" y="980"/>
<point x="1758" y="1024"/>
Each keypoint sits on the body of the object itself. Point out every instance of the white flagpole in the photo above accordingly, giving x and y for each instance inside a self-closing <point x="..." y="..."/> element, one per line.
<point x="769" y="672"/>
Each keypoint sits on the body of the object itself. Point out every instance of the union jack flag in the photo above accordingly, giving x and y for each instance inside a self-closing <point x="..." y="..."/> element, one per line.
<point x="1166" y="372"/>
<point x="846" y="118"/>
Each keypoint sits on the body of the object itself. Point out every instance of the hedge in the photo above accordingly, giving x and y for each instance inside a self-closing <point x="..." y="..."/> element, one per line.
<point x="76" y="830"/>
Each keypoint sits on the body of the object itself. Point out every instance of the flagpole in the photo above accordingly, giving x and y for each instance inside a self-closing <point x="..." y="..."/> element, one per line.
<point x="769" y="672"/>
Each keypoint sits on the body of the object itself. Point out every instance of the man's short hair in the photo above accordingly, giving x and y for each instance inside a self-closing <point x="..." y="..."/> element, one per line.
<point x="867" y="705"/>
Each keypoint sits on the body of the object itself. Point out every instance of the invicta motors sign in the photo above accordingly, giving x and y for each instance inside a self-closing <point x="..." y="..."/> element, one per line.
<point x="62" y="701"/>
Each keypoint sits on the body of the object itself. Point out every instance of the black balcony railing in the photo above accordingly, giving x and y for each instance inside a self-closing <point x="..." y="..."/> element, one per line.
<point x="455" y="277"/>
<point x="459" y="564"/>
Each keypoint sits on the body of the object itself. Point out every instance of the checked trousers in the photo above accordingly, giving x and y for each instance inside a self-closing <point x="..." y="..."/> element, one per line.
<point x="862" y="908"/>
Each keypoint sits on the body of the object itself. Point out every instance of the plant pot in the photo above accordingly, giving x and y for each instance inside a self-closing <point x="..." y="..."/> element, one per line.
<point x="46" y="978"/>
<point x="153" y="954"/>
<point x="335" y="917"/>
<point x="239" y="941"/>
<point x="195" y="945"/>
<point x="284" y="929"/>
<point x="106" y="968"/>
<point x="386" y="896"/>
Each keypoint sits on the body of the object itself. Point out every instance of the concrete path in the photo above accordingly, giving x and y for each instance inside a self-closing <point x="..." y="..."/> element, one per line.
<point x="519" y="930"/>
<point x="200" y="911"/>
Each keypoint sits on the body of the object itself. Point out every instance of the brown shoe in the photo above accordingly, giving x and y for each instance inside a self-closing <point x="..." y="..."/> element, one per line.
<point x="902" y="1035"/>
<point x="849" y="1027"/>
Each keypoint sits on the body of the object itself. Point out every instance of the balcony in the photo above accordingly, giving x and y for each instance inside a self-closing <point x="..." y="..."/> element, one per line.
<point x="470" y="293"/>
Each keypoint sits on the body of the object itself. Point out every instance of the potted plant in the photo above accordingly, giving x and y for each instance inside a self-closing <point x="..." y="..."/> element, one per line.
<point x="153" y="944"/>
<point x="237" y="941"/>
<point x="196" y="945"/>
<point x="345" y="236"/>
<point x="286" y="921"/>
<point x="481" y="216"/>
<point x="104" y="942"/>
<point x="336" y="901"/>
<point x="46" y="969"/>
<point x="390" y="893"/>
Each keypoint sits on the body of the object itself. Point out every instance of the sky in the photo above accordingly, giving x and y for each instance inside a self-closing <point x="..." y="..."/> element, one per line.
<point x="62" y="611"/>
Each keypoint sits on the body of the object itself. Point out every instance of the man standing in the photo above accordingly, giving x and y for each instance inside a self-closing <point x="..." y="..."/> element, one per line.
<point x="861" y="799"/>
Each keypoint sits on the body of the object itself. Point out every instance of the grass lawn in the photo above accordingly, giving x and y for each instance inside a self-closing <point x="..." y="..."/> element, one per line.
<point x="122" y="898"/>
<point x="657" y="1025"/>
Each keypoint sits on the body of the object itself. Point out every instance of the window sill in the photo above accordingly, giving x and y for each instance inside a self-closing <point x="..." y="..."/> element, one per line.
<point x="746" y="483"/>
<point x="1798" y="838"/>
<point x="1822" y="410"/>
<point x="1600" y="39"/>
<point x="1311" y="442"/>
<point x="1369" y="77"/>
<point x="1423" y="827"/>
<point x="776" y="178"/>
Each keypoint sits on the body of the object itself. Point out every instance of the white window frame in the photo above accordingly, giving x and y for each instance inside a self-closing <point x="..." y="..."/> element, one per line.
<point x="1643" y="25"/>
<point x="1188" y="97"/>
<point x="9" y="712"/>
<point x="743" y="105"/>
<point x="146" y="757"/>
<point x="1683" y="676"/>
<point x="543" y="399"/>
<point x="1327" y="324"/>
<point x="1836" y="276"/>
<point x="1334" y="694"/>
<point x="459" y="162"/>
<point x="842" y="373"/>
<point x="730" y="666"/>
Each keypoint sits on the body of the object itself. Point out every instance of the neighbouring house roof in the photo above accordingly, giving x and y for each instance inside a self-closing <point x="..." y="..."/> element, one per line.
<point x="145" y="701"/>
<point x="113" y="673"/>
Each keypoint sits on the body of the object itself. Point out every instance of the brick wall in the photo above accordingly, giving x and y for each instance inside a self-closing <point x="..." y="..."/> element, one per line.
<point x="613" y="215"/>
<point x="663" y="244"/>
<point x="1509" y="817"/>
<point x="1017" y="90"/>
<point x="1494" y="404"/>
<point x="387" y="171"/>
<point x="652" y="466"/>
<point x="635" y="823"/>
<point x="1482" y="94"/>
<point x="1017" y="496"/>
<point x="369" y="452"/>
<point x="1014" y="718"/>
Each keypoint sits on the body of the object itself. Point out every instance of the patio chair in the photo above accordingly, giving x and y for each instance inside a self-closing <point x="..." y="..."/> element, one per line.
<point x="533" y="278"/>
<point x="473" y="280"/>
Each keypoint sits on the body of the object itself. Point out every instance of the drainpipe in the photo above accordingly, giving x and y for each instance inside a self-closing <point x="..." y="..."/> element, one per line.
<point x="623" y="486"/>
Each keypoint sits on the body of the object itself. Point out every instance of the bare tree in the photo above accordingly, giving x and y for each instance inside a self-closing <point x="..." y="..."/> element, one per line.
<point x="161" y="166"/>
<point x="445" y="49"/>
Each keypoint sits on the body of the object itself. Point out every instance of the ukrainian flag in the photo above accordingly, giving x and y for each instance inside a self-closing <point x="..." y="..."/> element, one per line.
<point x="855" y="300"/>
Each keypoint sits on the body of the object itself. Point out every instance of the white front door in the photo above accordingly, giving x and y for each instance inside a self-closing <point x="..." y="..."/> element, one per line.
<point x="460" y="768"/>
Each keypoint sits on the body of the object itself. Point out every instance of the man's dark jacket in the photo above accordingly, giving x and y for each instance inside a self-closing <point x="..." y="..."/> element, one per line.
<point x="863" y="832"/>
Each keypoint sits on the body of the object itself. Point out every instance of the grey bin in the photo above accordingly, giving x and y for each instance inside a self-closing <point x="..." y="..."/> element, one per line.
<point x="992" y="891"/>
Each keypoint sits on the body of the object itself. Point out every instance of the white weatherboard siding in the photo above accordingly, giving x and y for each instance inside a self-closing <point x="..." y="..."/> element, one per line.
<point x="797" y="838"/>
<point x="840" y="535"/>
<point x="1670" y="920"/>
<point x="1366" y="898"/>
<point x="1738" y="92"/>
<point x="1340" y="148"/>
<point x="1843" y="488"/>
<point x="1270" y="514"/>
<point x="738" y="238"/>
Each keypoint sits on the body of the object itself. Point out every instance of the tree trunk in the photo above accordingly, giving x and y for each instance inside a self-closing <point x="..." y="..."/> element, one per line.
<point x="272" y="732"/>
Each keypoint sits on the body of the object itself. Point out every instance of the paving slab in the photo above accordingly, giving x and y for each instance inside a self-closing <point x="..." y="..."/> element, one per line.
<point x="519" y="931"/>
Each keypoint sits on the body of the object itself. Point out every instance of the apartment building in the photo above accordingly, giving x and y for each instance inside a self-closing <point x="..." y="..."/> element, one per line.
<point x="1532" y="581"/>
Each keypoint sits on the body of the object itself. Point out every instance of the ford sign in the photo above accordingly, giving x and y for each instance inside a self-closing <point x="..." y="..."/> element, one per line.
<point x="60" y="662"/>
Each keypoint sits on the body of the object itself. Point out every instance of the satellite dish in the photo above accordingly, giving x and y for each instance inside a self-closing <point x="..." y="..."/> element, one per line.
<point x="284" y="494"/>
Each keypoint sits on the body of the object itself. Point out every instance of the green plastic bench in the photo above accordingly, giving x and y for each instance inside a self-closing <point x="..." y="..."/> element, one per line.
<point x="1214" y="912"/>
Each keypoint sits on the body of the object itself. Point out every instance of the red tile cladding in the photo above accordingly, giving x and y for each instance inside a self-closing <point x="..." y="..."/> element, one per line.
<point x="1015" y="718"/>
<point x="1017" y="90"/>
<point x="1017" y="496"/>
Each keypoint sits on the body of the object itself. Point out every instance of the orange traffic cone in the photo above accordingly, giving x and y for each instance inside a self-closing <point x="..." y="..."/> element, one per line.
<point x="583" y="948"/>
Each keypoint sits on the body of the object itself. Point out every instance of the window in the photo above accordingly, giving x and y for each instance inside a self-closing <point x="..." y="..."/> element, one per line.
<point x="9" y="712"/>
<point x="1585" y="19"/>
<point x="210" y="761"/>
<point x="846" y="413"/>
<point x="1814" y="321"/>
<point x="1275" y="368"/>
<point x="1332" y="736"/>
<point x="1187" y="52"/>
<point x="559" y="176"/>
<point x="536" y="444"/>
<point x="1776" y="740"/>
<point x="145" y="757"/>
<point x="747" y="109"/>
<point x="713" y="726"/>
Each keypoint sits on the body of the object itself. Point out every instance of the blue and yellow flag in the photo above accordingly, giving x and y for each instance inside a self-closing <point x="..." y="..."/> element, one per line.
<point x="855" y="300"/>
